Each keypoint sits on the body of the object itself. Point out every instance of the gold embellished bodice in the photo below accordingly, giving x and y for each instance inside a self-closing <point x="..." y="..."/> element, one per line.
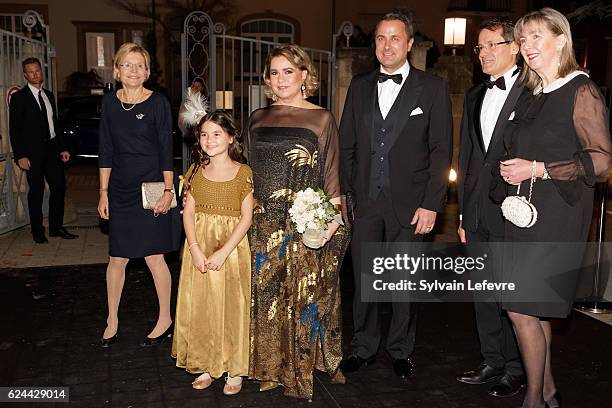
<point x="220" y="197"/>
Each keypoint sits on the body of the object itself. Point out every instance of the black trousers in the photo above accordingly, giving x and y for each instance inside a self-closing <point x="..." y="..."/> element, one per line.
<point x="497" y="341"/>
<point x="376" y="222"/>
<point x="46" y="167"/>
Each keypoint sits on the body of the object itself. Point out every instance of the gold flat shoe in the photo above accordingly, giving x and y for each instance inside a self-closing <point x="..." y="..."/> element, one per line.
<point x="232" y="389"/>
<point x="338" y="377"/>
<point x="267" y="385"/>
<point x="201" y="384"/>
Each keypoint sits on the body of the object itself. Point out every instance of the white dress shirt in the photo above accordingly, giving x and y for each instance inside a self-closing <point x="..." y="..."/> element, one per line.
<point x="492" y="105"/>
<point x="388" y="90"/>
<point x="35" y="92"/>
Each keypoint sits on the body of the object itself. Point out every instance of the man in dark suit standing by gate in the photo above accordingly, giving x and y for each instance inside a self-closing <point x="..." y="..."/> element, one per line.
<point x="395" y="147"/>
<point x="38" y="149"/>
<point x="486" y="111"/>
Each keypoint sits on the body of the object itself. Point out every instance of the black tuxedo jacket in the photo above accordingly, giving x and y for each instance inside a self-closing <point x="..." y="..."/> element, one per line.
<point x="27" y="129"/>
<point x="476" y="165"/>
<point x="421" y="143"/>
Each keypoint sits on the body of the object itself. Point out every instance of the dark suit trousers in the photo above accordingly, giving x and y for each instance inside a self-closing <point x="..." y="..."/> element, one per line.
<point x="497" y="342"/>
<point x="376" y="222"/>
<point x="47" y="167"/>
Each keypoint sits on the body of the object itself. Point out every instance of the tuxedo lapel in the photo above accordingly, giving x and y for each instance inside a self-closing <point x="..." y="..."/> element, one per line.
<point x="476" y="115"/>
<point x="408" y="97"/>
<point x="368" y="101"/>
<point x="504" y="114"/>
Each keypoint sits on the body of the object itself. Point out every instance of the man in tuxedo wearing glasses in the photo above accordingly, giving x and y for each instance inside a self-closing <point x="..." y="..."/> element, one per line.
<point x="487" y="108"/>
<point x="39" y="150"/>
<point x="395" y="153"/>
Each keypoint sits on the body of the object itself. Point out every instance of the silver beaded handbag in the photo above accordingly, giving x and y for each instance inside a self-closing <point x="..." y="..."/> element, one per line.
<point x="518" y="209"/>
<point x="152" y="192"/>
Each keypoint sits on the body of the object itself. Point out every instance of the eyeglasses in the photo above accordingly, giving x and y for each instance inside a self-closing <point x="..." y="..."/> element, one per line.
<point x="489" y="46"/>
<point x="128" y="66"/>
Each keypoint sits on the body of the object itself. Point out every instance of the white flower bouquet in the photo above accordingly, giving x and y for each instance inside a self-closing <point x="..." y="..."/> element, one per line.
<point x="311" y="212"/>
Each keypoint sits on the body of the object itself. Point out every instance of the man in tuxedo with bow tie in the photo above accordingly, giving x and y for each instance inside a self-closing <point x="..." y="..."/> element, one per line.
<point x="487" y="108"/>
<point x="395" y="153"/>
<point x="39" y="150"/>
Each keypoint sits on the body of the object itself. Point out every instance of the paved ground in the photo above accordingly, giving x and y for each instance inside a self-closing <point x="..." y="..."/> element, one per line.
<point x="17" y="250"/>
<point x="50" y="337"/>
<point x="54" y="315"/>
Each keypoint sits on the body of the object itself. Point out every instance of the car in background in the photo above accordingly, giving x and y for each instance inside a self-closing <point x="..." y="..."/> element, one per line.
<point x="79" y="119"/>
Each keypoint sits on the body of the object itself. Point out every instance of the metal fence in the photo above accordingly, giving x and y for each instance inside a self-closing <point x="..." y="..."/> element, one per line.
<point x="13" y="200"/>
<point x="239" y="82"/>
<point x="232" y="67"/>
<point x="16" y="44"/>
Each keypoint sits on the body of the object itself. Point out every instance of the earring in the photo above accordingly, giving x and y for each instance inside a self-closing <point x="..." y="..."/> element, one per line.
<point x="274" y="98"/>
<point x="304" y="91"/>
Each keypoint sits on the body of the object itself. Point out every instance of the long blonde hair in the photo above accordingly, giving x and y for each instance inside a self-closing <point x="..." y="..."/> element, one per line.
<point x="558" y="25"/>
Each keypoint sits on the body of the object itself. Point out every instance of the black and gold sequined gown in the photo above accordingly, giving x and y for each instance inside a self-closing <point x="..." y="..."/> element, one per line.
<point x="296" y="323"/>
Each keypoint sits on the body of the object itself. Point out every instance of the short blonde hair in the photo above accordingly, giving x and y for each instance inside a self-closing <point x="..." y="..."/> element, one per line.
<point x="558" y="25"/>
<point x="299" y="58"/>
<point x="126" y="49"/>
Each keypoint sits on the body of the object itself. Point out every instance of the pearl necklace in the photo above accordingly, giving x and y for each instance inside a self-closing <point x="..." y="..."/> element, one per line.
<point x="123" y="106"/>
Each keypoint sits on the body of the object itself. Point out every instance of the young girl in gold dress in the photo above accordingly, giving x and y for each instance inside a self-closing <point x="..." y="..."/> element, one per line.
<point x="212" y="312"/>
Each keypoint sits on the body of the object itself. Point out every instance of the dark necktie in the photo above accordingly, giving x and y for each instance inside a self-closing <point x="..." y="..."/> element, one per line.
<point x="397" y="78"/>
<point x="499" y="82"/>
<point x="45" y="118"/>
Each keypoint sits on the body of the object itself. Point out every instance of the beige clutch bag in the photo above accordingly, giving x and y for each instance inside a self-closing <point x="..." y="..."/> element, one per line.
<point x="152" y="192"/>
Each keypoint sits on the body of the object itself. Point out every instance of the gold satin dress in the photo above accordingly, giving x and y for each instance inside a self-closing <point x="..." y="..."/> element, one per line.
<point x="211" y="333"/>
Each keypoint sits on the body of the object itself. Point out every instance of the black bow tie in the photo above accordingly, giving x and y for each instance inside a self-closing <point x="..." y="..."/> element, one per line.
<point x="397" y="78"/>
<point x="499" y="82"/>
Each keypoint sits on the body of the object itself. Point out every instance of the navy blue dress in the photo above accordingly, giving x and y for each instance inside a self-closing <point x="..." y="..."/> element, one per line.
<point x="137" y="145"/>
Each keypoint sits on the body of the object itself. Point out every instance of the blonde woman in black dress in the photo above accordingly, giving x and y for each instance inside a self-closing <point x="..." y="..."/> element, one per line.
<point x="136" y="147"/>
<point x="562" y="126"/>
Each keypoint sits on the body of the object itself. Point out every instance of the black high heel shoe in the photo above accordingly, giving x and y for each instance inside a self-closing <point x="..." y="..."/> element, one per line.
<point x="554" y="401"/>
<point x="109" y="341"/>
<point x="148" y="341"/>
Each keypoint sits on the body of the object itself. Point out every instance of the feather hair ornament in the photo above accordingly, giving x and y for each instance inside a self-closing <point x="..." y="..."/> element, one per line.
<point x="193" y="109"/>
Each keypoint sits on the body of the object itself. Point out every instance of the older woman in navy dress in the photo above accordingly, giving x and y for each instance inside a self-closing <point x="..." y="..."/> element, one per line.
<point x="136" y="147"/>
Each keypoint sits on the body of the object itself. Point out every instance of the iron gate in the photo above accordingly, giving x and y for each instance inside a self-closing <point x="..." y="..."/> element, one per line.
<point x="232" y="68"/>
<point x="30" y="39"/>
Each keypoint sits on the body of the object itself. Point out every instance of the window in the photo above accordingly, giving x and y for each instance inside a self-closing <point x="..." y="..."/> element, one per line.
<point x="100" y="52"/>
<point x="98" y="41"/>
<point x="269" y="29"/>
<point x="263" y="29"/>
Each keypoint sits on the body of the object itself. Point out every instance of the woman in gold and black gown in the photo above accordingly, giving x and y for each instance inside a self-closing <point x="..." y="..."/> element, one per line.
<point x="295" y="316"/>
